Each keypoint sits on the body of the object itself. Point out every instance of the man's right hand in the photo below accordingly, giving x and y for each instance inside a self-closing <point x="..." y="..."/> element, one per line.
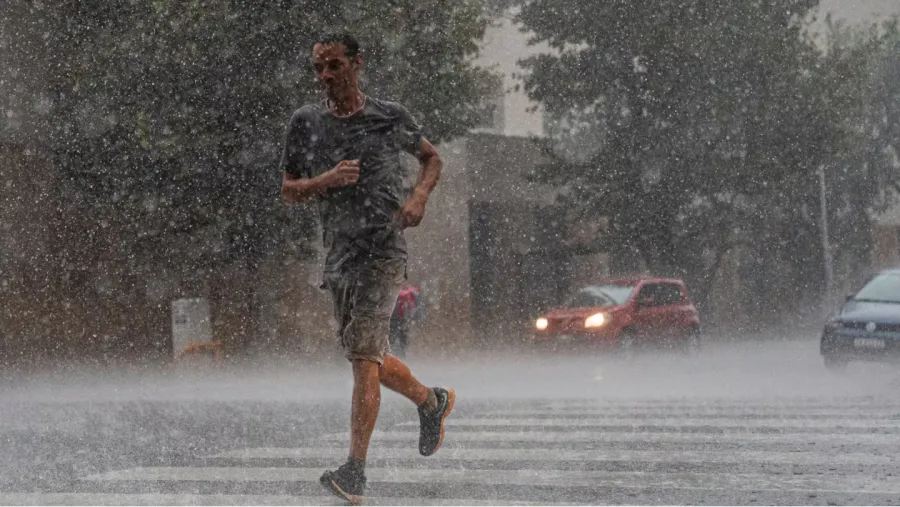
<point x="344" y="174"/>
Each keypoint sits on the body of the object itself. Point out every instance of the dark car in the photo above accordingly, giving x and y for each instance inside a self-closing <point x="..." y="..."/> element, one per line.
<point x="867" y="328"/>
<point x="624" y="313"/>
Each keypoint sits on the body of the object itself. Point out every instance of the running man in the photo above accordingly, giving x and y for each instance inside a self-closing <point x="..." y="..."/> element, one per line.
<point x="345" y="151"/>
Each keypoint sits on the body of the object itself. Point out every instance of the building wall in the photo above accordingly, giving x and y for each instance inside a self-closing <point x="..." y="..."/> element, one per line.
<point x="439" y="250"/>
<point x="858" y="11"/>
<point x="503" y="46"/>
<point x="519" y="262"/>
<point x="498" y="165"/>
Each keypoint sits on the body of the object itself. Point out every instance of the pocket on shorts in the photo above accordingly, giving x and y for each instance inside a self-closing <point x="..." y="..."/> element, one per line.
<point x="392" y="269"/>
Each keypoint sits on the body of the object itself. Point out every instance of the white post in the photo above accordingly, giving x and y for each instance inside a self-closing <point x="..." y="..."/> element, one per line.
<point x="190" y="323"/>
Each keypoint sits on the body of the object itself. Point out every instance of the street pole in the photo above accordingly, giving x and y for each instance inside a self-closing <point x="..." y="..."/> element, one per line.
<point x="826" y="248"/>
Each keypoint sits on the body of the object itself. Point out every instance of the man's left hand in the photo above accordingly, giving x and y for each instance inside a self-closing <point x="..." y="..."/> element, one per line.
<point x="412" y="212"/>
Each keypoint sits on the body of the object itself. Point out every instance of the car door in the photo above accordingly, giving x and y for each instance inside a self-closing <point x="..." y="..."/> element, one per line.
<point x="673" y="309"/>
<point x="649" y="314"/>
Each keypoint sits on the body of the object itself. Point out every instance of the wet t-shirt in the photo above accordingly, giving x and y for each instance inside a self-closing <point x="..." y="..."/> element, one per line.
<point x="358" y="221"/>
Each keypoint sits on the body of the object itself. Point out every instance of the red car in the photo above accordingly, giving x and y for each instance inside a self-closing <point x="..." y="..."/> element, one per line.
<point x="625" y="313"/>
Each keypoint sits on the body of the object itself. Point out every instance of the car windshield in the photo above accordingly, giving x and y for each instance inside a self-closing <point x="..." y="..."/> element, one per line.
<point x="882" y="288"/>
<point x="600" y="295"/>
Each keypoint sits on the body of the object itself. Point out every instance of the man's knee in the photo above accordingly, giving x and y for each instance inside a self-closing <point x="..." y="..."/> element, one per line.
<point x="364" y="362"/>
<point x="366" y="375"/>
<point x="366" y="339"/>
<point x="365" y="365"/>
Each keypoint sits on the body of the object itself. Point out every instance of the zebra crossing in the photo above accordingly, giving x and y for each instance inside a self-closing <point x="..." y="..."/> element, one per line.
<point x="595" y="452"/>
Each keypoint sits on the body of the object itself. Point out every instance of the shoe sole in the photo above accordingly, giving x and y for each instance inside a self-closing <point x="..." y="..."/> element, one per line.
<point x="336" y="490"/>
<point x="451" y="400"/>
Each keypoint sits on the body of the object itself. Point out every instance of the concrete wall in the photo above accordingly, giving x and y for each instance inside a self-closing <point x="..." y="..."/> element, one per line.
<point x="439" y="250"/>
<point x="497" y="168"/>
<point x="858" y="11"/>
<point x="503" y="46"/>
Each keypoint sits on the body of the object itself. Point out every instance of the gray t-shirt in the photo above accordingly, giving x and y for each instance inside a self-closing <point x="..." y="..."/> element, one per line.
<point x="358" y="221"/>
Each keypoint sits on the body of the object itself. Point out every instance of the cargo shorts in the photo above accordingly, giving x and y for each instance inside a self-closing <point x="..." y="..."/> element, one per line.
<point x="364" y="297"/>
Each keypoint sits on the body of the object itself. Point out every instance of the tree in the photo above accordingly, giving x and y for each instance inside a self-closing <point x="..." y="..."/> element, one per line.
<point x="861" y="69"/>
<point x="677" y="119"/>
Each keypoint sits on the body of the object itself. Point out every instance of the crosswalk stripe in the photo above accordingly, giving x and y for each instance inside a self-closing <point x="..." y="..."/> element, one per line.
<point x="551" y="478"/>
<point x="787" y="404"/>
<point x="774" y="424"/>
<point x="889" y="440"/>
<point x="195" y="499"/>
<point x="553" y="455"/>
<point x="891" y="415"/>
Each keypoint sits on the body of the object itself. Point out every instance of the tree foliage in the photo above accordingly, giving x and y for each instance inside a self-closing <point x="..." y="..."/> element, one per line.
<point x="169" y="114"/>
<point x="698" y="126"/>
<point x="862" y="78"/>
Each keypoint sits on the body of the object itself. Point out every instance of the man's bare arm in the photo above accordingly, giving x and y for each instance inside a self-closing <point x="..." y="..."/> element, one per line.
<point x="300" y="189"/>
<point x="431" y="165"/>
<point x="430" y="173"/>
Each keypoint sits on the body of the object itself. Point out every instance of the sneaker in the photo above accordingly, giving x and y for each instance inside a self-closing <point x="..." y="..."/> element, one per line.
<point x="431" y="423"/>
<point x="345" y="483"/>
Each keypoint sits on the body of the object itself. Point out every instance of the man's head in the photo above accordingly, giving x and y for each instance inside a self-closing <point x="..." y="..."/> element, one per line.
<point x="337" y="62"/>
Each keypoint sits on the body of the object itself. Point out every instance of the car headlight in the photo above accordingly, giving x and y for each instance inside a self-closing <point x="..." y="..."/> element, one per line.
<point x="541" y="324"/>
<point x="596" y="320"/>
<point x="833" y="325"/>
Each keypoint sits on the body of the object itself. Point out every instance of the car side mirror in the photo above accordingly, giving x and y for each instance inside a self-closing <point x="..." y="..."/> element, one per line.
<point x="850" y="297"/>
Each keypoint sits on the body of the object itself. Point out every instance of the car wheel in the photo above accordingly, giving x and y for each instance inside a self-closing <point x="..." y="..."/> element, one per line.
<point x="693" y="342"/>
<point x="627" y="341"/>
<point x="835" y="363"/>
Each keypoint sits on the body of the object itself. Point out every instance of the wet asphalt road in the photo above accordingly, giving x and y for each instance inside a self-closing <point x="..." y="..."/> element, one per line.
<point x="738" y="424"/>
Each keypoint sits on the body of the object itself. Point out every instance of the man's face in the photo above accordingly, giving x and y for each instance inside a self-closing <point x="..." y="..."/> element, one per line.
<point x="334" y="70"/>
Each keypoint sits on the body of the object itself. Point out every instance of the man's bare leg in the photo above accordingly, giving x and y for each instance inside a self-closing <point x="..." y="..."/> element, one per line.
<point x="364" y="410"/>
<point x="397" y="377"/>
<point x="434" y="405"/>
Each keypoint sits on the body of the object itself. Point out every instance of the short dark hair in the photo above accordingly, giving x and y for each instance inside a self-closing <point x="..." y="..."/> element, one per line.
<point x="351" y="45"/>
